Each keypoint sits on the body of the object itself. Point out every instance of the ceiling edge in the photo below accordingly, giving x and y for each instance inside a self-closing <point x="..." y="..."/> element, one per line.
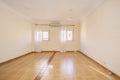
<point x="93" y="9"/>
<point x="5" y="6"/>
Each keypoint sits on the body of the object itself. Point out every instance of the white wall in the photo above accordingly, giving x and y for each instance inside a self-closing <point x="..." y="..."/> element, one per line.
<point x="100" y="35"/>
<point x="15" y="35"/>
<point x="54" y="42"/>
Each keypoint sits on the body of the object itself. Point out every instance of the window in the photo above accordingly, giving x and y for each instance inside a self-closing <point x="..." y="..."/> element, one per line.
<point x="42" y="35"/>
<point x="66" y="35"/>
<point x="45" y="35"/>
<point x="69" y="35"/>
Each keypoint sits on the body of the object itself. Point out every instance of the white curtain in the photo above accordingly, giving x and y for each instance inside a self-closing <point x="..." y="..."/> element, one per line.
<point x="66" y="34"/>
<point x="63" y="38"/>
<point x="38" y="39"/>
<point x="63" y="30"/>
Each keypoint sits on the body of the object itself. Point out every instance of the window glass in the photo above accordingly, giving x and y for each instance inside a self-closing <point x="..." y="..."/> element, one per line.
<point x="45" y="35"/>
<point x="66" y="35"/>
<point x="69" y="35"/>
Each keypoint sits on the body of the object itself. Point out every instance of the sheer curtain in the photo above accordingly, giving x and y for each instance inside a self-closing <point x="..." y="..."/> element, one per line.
<point x="63" y="44"/>
<point x="38" y="39"/>
<point x="63" y="38"/>
<point x="66" y="37"/>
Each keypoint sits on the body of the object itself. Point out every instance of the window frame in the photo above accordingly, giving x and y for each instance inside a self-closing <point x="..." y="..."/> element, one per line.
<point x="43" y="35"/>
<point x="65" y="35"/>
<point x="68" y="34"/>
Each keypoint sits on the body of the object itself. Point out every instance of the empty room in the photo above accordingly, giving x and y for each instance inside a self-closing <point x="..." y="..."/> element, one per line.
<point x="59" y="39"/>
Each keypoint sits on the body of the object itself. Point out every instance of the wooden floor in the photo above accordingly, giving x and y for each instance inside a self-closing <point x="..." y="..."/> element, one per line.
<point x="54" y="66"/>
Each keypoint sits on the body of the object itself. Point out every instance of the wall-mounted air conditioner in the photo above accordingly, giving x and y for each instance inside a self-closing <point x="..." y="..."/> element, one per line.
<point x="55" y="24"/>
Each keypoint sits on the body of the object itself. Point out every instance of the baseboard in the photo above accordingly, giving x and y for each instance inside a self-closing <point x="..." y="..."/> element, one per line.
<point x="45" y="51"/>
<point x="33" y="52"/>
<point x="48" y="51"/>
<point x="99" y="64"/>
<point x="16" y="58"/>
<point x="52" y="51"/>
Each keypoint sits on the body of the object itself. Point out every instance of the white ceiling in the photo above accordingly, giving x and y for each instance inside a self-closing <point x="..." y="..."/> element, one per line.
<point x="51" y="10"/>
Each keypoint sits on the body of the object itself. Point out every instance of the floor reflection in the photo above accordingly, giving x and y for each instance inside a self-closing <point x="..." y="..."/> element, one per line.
<point x="67" y="67"/>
